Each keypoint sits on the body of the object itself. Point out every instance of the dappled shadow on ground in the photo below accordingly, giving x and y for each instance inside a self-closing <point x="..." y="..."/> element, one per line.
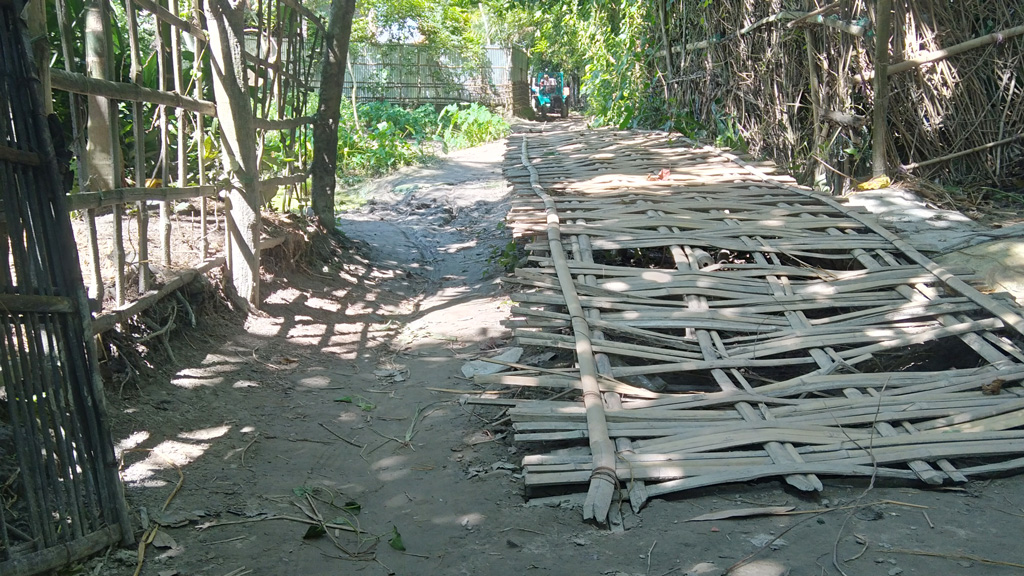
<point x="337" y="391"/>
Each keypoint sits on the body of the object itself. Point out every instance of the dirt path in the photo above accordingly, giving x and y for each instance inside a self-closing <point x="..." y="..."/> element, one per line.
<point x="346" y="391"/>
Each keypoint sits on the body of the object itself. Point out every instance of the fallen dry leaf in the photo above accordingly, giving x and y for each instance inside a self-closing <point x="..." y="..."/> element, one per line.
<point x="993" y="388"/>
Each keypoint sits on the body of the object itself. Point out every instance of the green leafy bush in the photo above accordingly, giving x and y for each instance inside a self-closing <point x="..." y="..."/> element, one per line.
<point x="419" y="124"/>
<point x="386" y="137"/>
<point x="466" y="125"/>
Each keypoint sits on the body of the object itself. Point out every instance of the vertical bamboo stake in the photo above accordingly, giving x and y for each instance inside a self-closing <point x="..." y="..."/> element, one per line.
<point x="280" y="64"/>
<point x="197" y="72"/>
<point x="139" y="133"/>
<point x="179" y="114"/>
<point x="118" y="214"/>
<point x="67" y="41"/>
<point x="102" y="149"/>
<point x="40" y="50"/>
<point x="663" y="28"/>
<point x="162" y="41"/>
<point x="119" y="256"/>
<point x="812" y="75"/>
<point x="879" y="133"/>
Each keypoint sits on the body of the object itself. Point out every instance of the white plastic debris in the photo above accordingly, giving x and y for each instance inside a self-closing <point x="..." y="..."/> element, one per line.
<point x="474" y="367"/>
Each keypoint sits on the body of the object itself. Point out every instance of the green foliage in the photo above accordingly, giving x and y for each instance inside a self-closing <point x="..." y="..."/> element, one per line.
<point x="606" y="43"/>
<point x="396" y="540"/>
<point x="445" y="25"/>
<point x="729" y="133"/>
<point x="467" y="125"/>
<point x="417" y="124"/>
<point x="508" y="257"/>
<point x="385" y="139"/>
<point x="388" y="137"/>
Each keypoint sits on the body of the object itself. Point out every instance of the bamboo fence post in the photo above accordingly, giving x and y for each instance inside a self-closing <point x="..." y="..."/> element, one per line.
<point x="663" y="29"/>
<point x="36" y="12"/>
<point x="879" y="128"/>
<point x="103" y="150"/>
<point x="139" y="134"/>
<point x="200" y="135"/>
<point x="603" y="477"/>
<point x="179" y="87"/>
<point x="816" y="103"/>
<point x="162" y="42"/>
<point x="280" y="64"/>
<point x="76" y="104"/>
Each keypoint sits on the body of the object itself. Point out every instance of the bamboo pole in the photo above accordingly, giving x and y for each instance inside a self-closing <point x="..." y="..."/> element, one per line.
<point x="164" y="161"/>
<point x="815" y="95"/>
<point x="306" y="13"/>
<point x="91" y="200"/>
<point x="171" y="17"/>
<point x="36" y="13"/>
<point x="940" y="55"/>
<point x="200" y="135"/>
<point x="623" y="446"/>
<point x="139" y="134"/>
<point x="879" y="125"/>
<point x="955" y="155"/>
<point x="179" y="88"/>
<point x="603" y="479"/>
<point x="79" y="84"/>
<point x="107" y="321"/>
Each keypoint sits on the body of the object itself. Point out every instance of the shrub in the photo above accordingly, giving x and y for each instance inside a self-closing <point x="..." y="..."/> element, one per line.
<point x="466" y="125"/>
<point x="388" y="137"/>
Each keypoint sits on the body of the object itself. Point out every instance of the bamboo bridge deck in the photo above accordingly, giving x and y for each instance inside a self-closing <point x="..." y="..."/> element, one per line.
<point x="726" y="325"/>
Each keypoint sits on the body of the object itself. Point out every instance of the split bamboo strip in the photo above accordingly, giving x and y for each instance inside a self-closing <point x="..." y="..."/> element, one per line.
<point x="831" y="289"/>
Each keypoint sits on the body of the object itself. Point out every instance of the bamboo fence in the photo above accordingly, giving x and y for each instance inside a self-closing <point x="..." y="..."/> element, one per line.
<point x="795" y="81"/>
<point x="728" y="325"/>
<point x="60" y="495"/>
<point x="177" y="172"/>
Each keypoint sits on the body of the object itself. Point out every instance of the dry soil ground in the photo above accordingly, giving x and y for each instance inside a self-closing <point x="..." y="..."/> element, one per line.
<point x="341" y="401"/>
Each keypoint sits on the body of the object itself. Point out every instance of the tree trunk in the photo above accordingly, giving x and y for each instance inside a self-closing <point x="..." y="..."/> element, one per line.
<point x="225" y="21"/>
<point x="325" y="129"/>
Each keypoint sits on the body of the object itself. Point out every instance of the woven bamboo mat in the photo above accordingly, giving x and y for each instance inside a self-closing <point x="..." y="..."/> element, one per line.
<point x="726" y="325"/>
